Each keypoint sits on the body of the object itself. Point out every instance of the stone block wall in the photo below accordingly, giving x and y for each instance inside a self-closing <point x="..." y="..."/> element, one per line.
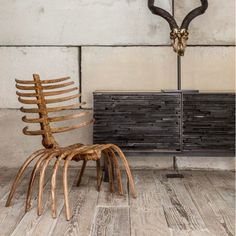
<point x="108" y="45"/>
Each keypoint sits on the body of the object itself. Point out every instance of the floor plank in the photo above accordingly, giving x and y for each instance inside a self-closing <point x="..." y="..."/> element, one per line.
<point x="218" y="217"/>
<point x="201" y="204"/>
<point x="32" y="224"/>
<point x="83" y="205"/>
<point x="190" y="233"/>
<point x="112" y="221"/>
<point x="11" y="216"/>
<point x="224" y="185"/>
<point x="6" y="178"/>
<point x="106" y="198"/>
<point x="146" y="212"/>
<point x="179" y="209"/>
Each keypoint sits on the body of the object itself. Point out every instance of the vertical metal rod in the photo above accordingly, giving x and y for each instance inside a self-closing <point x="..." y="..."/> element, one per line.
<point x="80" y="72"/>
<point x="179" y="72"/>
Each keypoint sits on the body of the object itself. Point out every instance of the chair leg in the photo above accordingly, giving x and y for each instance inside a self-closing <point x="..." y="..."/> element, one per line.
<point x="81" y="173"/>
<point x="118" y="172"/>
<point x="41" y="182"/>
<point x="110" y="172"/>
<point x="53" y="183"/>
<point x="99" y="175"/>
<point x="65" y="188"/>
<point x="21" y="172"/>
<point x="65" y="179"/>
<point x="32" y="179"/>
<point x="127" y="169"/>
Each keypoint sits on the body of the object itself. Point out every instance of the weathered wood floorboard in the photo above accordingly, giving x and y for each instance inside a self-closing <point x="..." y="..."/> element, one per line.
<point x="146" y="212"/>
<point x="83" y="204"/>
<point x="32" y="224"/>
<point x="106" y="198"/>
<point x="224" y="185"/>
<point x="11" y="216"/>
<point x="201" y="204"/>
<point x="6" y="178"/>
<point x="218" y="217"/>
<point x="111" y="221"/>
<point x="179" y="209"/>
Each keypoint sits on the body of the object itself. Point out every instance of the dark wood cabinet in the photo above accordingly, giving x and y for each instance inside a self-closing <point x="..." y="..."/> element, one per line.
<point x="170" y="122"/>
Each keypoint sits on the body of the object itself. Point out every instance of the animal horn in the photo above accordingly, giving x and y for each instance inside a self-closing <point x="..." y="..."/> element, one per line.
<point x="163" y="13"/>
<point x="194" y="13"/>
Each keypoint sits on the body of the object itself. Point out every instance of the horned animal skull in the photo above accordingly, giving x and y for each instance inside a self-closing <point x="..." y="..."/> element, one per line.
<point x="178" y="35"/>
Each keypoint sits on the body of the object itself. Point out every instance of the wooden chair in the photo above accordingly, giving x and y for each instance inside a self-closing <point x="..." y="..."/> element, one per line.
<point x="42" y="89"/>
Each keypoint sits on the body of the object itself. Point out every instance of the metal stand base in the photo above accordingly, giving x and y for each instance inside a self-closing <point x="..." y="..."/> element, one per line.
<point x="176" y="174"/>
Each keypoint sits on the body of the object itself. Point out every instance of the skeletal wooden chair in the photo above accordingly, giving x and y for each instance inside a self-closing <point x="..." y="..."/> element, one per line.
<point x="53" y="152"/>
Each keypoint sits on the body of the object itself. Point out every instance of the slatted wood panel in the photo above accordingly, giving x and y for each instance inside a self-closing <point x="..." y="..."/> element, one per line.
<point x="209" y="122"/>
<point x="138" y="121"/>
<point x="166" y="122"/>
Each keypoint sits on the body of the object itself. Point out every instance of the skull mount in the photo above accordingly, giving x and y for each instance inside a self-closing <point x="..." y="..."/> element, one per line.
<point x="178" y="35"/>
<point x="179" y="39"/>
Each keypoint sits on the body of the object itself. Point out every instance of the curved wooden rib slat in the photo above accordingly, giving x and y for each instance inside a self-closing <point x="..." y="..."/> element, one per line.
<point x="110" y="172"/>
<point x="65" y="179"/>
<point x="42" y="81"/>
<point x="117" y="170"/>
<point x="55" y="100"/>
<point x="33" y="120"/>
<point x="126" y="165"/>
<point x="68" y="128"/>
<point x="27" y="101"/>
<point x="41" y="181"/>
<point x="54" y="183"/>
<point x="56" y="130"/>
<point x="32" y="179"/>
<point x="48" y="101"/>
<point x="35" y="132"/>
<point x="54" y="119"/>
<point x="53" y="93"/>
<point x="25" y="87"/>
<point x="52" y="109"/>
<point x="26" y="94"/>
<point x="21" y="172"/>
<point x="67" y="117"/>
<point x="45" y="87"/>
<point x="50" y="81"/>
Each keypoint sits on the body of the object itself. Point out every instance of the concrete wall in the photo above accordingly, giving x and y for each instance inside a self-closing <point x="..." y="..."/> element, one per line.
<point x="109" y="45"/>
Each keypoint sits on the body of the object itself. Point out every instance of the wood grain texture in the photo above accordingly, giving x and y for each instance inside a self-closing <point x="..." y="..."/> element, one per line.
<point x="146" y="212"/>
<point x="138" y="121"/>
<point x="84" y="201"/>
<point x="225" y="185"/>
<point x="32" y="224"/>
<point x="168" y="207"/>
<point x="106" y="198"/>
<point x="218" y="217"/>
<point x="166" y="121"/>
<point x="6" y="177"/>
<point x="179" y="209"/>
<point x="11" y="217"/>
<point x="111" y="221"/>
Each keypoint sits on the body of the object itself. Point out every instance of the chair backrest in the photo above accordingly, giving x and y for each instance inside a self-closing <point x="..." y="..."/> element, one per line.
<point x="42" y="89"/>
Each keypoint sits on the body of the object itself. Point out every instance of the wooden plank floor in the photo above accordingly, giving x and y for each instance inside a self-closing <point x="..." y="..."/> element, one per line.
<point x="202" y="203"/>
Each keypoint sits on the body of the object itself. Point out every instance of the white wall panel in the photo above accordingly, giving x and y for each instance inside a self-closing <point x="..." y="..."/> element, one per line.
<point x="216" y="26"/>
<point x="209" y="68"/>
<point x="122" y="68"/>
<point x="81" y="22"/>
<point x="22" y="62"/>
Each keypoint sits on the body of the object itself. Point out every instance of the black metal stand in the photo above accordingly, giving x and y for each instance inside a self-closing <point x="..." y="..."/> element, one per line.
<point x="179" y="87"/>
